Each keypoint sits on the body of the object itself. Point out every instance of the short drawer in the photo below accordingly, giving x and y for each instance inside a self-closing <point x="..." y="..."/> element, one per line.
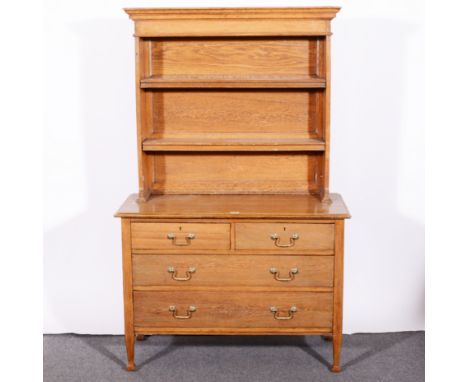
<point x="221" y="309"/>
<point x="285" y="237"/>
<point x="180" y="236"/>
<point x="233" y="270"/>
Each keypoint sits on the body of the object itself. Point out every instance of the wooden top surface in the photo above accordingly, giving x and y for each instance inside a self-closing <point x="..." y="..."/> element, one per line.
<point x="235" y="207"/>
<point x="327" y="13"/>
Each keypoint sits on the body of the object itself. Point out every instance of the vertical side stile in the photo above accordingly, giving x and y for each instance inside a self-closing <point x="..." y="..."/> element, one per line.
<point x="145" y="163"/>
<point x="326" y="133"/>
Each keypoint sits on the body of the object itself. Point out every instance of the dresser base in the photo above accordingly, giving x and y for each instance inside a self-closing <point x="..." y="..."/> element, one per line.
<point x="255" y="274"/>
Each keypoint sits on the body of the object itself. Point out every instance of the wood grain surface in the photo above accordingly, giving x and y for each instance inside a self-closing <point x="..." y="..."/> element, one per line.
<point x="154" y="235"/>
<point x="235" y="206"/>
<point x="310" y="236"/>
<point x="237" y="114"/>
<point x="233" y="310"/>
<point x="224" y="144"/>
<point x="237" y="173"/>
<point x="237" y="58"/>
<point x="233" y="139"/>
<point x="338" y="295"/>
<point x="233" y="270"/>
<point x="128" y="293"/>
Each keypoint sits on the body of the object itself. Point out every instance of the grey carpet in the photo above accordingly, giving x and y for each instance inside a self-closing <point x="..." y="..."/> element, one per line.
<point x="386" y="357"/>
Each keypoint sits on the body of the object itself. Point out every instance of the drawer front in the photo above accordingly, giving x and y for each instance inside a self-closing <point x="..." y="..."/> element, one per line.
<point x="232" y="270"/>
<point x="208" y="309"/>
<point x="180" y="236"/>
<point x="283" y="237"/>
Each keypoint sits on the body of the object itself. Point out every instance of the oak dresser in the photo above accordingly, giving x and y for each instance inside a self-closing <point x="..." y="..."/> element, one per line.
<point x="233" y="230"/>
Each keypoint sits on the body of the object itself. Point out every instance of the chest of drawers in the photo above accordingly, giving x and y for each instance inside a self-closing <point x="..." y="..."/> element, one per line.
<point x="234" y="230"/>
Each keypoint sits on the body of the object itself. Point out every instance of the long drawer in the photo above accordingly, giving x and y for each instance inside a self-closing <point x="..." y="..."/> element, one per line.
<point x="209" y="309"/>
<point x="284" y="237"/>
<point x="180" y="236"/>
<point x="230" y="270"/>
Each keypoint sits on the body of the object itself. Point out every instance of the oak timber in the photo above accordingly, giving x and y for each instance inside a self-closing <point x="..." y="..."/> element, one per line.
<point x="235" y="206"/>
<point x="234" y="270"/>
<point x="242" y="83"/>
<point x="228" y="310"/>
<point x="239" y="144"/>
<point x="233" y="230"/>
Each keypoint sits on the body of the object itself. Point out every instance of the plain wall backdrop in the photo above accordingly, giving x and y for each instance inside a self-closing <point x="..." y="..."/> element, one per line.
<point x="377" y="158"/>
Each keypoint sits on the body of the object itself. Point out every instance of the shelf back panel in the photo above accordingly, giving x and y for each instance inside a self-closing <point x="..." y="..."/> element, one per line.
<point x="237" y="114"/>
<point x="236" y="57"/>
<point x="237" y="173"/>
<point x="249" y="89"/>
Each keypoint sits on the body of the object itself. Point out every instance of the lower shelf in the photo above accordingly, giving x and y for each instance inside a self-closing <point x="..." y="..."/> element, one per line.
<point x="230" y="82"/>
<point x="181" y="144"/>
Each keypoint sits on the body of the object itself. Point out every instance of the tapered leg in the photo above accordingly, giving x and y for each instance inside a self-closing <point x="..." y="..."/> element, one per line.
<point x="128" y="295"/>
<point x="336" y="368"/>
<point x="130" y="344"/>
<point x="338" y="296"/>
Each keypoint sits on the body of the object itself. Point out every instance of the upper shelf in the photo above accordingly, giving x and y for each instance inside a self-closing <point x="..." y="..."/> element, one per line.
<point x="212" y="144"/>
<point x="175" y="82"/>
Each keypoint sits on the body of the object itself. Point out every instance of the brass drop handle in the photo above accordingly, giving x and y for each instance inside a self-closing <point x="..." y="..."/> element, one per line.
<point x="188" y="273"/>
<point x="188" y="238"/>
<point x="188" y="315"/>
<point x="292" y="273"/>
<point x="276" y="315"/>
<point x="292" y="240"/>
